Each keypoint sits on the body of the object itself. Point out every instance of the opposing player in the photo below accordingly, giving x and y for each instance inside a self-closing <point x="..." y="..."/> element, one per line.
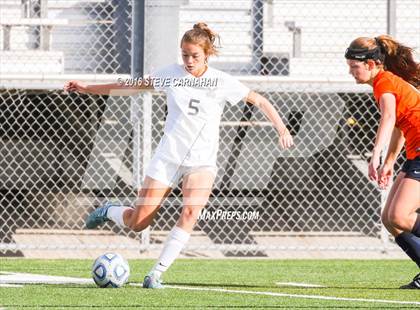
<point x="390" y="69"/>
<point x="196" y="95"/>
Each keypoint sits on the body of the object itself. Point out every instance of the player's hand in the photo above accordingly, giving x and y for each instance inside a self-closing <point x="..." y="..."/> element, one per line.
<point x="75" y="86"/>
<point x="385" y="176"/>
<point x="286" y="139"/>
<point x="373" y="168"/>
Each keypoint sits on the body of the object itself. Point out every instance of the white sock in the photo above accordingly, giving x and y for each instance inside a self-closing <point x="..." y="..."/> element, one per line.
<point x="174" y="244"/>
<point x="115" y="214"/>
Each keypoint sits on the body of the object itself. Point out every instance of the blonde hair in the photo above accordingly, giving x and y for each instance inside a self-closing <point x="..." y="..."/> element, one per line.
<point x="395" y="57"/>
<point x="203" y="36"/>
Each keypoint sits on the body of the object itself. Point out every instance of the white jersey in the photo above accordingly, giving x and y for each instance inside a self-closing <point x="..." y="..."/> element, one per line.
<point x="195" y="106"/>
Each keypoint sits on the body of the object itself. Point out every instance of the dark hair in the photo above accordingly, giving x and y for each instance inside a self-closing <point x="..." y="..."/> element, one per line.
<point x="395" y="57"/>
<point x="202" y="35"/>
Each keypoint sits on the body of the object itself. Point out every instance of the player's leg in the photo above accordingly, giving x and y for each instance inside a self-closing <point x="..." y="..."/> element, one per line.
<point x="409" y="243"/>
<point x="147" y="205"/>
<point x="160" y="176"/>
<point x="196" y="189"/>
<point x="402" y="213"/>
<point x="407" y="200"/>
<point x="405" y="240"/>
<point x="385" y="217"/>
<point x="402" y="216"/>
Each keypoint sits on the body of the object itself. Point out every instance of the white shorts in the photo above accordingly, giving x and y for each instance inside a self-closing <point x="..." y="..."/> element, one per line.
<point x="170" y="173"/>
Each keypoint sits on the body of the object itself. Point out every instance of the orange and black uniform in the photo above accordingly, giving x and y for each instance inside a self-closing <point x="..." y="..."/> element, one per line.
<point x="407" y="115"/>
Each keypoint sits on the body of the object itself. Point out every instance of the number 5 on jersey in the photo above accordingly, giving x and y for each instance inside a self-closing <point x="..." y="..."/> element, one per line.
<point x="193" y="107"/>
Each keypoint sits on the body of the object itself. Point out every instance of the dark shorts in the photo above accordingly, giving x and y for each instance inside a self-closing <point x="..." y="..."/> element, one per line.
<point x="412" y="169"/>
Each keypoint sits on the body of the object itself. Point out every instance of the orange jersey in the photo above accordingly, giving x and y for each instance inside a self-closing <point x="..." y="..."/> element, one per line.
<point x="407" y="108"/>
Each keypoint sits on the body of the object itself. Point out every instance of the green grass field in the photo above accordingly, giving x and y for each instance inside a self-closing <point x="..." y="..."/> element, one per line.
<point x="222" y="284"/>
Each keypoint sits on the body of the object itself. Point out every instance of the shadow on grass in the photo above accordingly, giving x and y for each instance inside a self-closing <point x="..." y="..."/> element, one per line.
<point x="298" y="288"/>
<point x="139" y="306"/>
<point x="226" y="286"/>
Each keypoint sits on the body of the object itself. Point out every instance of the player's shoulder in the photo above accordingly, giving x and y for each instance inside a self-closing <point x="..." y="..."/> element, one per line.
<point x="223" y="76"/>
<point x="385" y="76"/>
<point x="217" y="72"/>
<point x="384" y="80"/>
<point x="390" y="80"/>
<point x="393" y="79"/>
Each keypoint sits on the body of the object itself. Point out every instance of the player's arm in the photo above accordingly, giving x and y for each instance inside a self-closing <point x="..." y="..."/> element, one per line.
<point x="122" y="88"/>
<point x="270" y="112"/>
<point x="387" y="106"/>
<point x="395" y="146"/>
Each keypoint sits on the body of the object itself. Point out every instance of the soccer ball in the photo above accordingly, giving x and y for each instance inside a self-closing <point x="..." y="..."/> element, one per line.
<point x="110" y="270"/>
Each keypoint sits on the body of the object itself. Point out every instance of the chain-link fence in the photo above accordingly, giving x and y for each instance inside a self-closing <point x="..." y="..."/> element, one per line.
<point x="64" y="154"/>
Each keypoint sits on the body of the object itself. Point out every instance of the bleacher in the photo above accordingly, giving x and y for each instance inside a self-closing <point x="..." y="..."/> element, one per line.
<point x="66" y="35"/>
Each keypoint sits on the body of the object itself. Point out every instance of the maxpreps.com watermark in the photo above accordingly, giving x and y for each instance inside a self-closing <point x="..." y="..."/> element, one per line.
<point x="206" y="215"/>
<point x="200" y="82"/>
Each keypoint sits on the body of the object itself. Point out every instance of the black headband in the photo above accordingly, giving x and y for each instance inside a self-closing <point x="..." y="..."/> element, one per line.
<point x="363" y="53"/>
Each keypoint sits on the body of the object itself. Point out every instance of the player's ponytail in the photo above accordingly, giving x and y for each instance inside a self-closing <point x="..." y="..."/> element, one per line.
<point x="399" y="60"/>
<point x="202" y="35"/>
<point x="390" y="54"/>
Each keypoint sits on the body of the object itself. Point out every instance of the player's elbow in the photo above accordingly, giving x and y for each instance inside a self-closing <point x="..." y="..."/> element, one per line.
<point x="262" y="103"/>
<point x="254" y="99"/>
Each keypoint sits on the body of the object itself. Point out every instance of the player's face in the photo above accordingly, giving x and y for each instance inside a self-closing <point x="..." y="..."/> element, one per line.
<point x="359" y="70"/>
<point x="194" y="58"/>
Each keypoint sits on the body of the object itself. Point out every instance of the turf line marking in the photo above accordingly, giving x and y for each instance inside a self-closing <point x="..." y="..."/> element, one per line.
<point x="399" y="302"/>
<point x="29" y="278"/>
<point x="298" y="284"/>
<point x="9" y="285"/>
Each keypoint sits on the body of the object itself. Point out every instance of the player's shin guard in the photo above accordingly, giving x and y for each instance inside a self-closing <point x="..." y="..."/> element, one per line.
<point x="416" y="227"/>
<point x="410" y="244"/>
<point x="174" y="244"/>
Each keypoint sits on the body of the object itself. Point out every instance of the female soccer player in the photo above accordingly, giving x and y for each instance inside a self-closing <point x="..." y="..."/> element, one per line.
<point x="196" y="95"/>
<point x="389" y="68"/>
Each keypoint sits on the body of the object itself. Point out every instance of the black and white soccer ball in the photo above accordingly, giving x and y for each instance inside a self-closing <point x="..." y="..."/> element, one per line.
<point x="110" y="270"/>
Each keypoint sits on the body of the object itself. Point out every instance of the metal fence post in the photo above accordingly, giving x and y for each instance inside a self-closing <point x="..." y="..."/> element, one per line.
<point x="6" y="37"/>
<point x="140" y="108"/>
<point x="391" y="30"/>
<point x="257" y="13"/>
<point x="45" y="31"/>
<point x="391" y="20"/>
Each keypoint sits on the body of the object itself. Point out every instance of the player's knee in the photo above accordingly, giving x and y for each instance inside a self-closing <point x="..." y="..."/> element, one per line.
<point x="190" y="214"/>
<point x="398" y="220"/>
<point x="139" y="225"/>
